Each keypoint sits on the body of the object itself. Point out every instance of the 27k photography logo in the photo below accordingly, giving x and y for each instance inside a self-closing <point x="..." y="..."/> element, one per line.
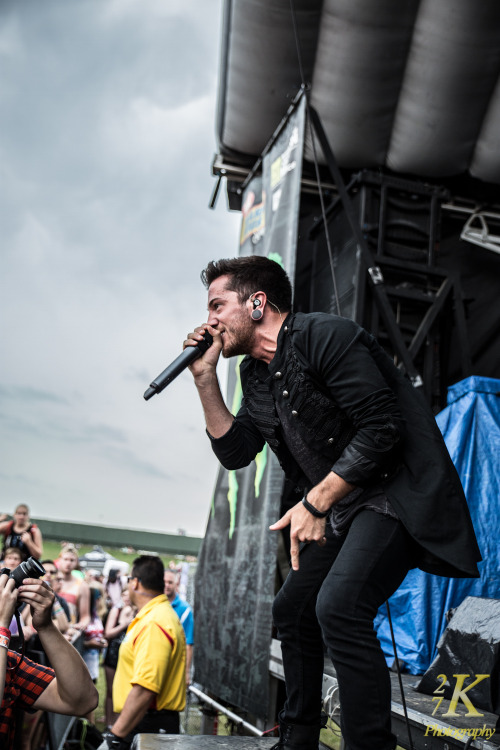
<point x="460" y="693"/>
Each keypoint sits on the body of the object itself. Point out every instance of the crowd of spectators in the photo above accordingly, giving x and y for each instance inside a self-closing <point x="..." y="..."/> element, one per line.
<point x="92" y="612"/>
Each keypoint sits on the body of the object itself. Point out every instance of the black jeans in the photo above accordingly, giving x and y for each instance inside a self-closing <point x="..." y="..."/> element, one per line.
<point x="334" y="597"/>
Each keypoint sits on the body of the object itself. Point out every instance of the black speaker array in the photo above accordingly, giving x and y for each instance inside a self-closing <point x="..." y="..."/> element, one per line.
<point x="400" y="220"/>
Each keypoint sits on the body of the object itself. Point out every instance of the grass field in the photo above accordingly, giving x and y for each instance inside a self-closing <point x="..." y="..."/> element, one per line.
<point x="51" y="551"/>
<point x="99" y="712"/>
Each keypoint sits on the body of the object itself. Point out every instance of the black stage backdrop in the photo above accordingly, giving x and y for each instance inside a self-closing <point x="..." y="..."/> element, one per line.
<point x="236" y="571"/>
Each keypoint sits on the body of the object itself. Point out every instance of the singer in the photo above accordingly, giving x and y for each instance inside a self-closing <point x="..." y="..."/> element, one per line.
<point x="380" y="493"/>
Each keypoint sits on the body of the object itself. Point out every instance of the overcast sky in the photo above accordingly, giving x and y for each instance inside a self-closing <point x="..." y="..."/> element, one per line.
<point x="107" y="133"/>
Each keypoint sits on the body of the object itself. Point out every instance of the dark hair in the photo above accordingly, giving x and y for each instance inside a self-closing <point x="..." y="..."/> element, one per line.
<point x="48" y="562"/>
<point x="149" y="570"/>
<point x="113" y="575"/>
<point x="249" y="274"/>
<point x="95" y="595"/>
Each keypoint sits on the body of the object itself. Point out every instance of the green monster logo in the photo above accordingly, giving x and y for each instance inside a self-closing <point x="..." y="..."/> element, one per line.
<point x="277" y="259"/>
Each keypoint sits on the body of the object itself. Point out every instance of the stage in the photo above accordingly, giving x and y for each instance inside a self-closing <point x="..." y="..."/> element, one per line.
<point x="430" y="729"/>
<point x="201" y="742"/>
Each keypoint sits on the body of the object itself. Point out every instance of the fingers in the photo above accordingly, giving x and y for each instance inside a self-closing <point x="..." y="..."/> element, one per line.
<point x="303" y="529"/>
<point x="33" y="590"/>
<point x="294" y="552"/>
<point x="39" y="594"/>
<point x="282" y="523"/>
<point x="294" y="541"/>
<point x="197" y="335"/>
<point x="6" y="583"/>
<point x="194" y="337"/>
<point x="34" y="582"/>
<point x="207" y="363"/>
<point x="8" y="599"/>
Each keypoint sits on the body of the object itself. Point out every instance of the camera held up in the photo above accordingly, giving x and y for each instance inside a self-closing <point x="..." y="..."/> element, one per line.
<point x="30" y="568"/>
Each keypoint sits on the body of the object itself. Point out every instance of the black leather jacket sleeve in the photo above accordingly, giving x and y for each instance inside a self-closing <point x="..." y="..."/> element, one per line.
<point x="240" y="444"/>
<point x="345" y="360"/>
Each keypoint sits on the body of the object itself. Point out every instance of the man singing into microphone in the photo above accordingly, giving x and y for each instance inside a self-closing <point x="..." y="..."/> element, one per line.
<point x="380" y="493"/>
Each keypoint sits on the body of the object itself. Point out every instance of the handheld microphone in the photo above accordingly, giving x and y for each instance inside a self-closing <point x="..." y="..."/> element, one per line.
<point x="189" y="355"/>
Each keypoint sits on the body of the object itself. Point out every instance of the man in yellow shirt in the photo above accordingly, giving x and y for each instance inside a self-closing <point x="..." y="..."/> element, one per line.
<point x="149" y="688"/>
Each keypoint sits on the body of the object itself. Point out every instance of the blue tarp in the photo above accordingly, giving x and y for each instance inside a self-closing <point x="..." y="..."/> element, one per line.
<point x="470" y="424"/>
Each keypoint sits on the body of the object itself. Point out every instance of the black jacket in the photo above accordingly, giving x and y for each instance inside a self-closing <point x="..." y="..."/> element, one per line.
<point x="350" y="402"/>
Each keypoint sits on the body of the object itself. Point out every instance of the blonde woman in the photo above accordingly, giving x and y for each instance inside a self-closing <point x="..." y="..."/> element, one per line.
<point x="74" y="590"/>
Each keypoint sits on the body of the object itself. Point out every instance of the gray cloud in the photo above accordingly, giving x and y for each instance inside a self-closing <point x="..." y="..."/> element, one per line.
<point x="108" y="110"/>
<point x="29" y="394"/>
<point x="134" y="464"/>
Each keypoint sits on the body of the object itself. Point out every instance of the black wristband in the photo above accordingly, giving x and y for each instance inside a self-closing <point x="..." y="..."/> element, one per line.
<point x="314" y="511"/>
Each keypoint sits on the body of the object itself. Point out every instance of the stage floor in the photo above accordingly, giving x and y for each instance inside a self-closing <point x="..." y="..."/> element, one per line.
<point x="430" y="728"/>
<point x="201" y="742"/>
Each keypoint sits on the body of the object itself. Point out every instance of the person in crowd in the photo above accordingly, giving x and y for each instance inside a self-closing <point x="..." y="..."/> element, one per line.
<point x="12" y="558"/>
<point x="33" y="645"/>
<point x="65" y="688"/>
<point x="94" y="580"/>
<point x="379" y="492"/>
<point x="60" y="610"/>
<point x="93" y="635"/>
<point x="73" y="589"/>
<point x="60" y="613"/>
<point x="182" y="586"/>
<point x="184" y="612"/>
<point x="114" y="588"/>
<point x="119" y="618"/>
<point x="93" y="640"/>
<point x="149" y="688"/>
<point x="21" y="533"/>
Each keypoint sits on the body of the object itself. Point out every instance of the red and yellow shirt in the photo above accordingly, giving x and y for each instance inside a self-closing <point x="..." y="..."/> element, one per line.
<point x="153" y="655"/>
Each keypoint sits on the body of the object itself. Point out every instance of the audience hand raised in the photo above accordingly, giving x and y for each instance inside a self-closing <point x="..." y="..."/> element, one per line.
<point x="40" y="597"/>
<point x="8" y="600"/>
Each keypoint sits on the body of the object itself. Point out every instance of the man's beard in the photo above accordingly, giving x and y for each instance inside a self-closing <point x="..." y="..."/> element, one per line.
<point x="242" y="337"/>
